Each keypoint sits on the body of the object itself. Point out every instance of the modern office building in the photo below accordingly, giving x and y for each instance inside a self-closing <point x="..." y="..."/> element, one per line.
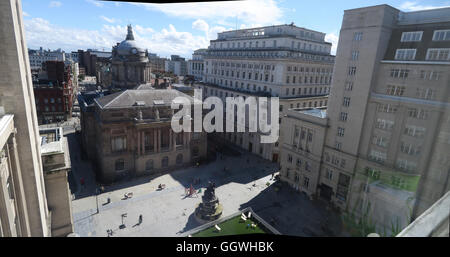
<point x="381" y="148"/>
<point x="284" y="61"/>
<point x="177" y="65"/>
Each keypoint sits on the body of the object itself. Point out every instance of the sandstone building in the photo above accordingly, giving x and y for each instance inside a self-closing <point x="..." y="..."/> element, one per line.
<point x="129" y="134"/>
<point x="284" y="61"/>
<point x="382" y="145"/>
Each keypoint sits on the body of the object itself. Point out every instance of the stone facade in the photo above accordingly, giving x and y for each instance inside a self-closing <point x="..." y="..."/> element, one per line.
<point x="387" y="133"/>
<point x="130" y="65"/>
<point x="130" y="134"/>
<point x="17" y="98"/>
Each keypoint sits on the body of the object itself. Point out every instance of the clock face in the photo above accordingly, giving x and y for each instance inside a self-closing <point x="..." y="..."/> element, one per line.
<point x="134" y="51"/>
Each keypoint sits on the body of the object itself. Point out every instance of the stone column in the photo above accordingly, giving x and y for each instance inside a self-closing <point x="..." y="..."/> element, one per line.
<point x="143" y="141"/>
<point x="138" y="143"/>
<point x="23" y="222"/>
<point x="159" y="139"/>
<point x="170" y="139"/>
<point x="155" y="139"/>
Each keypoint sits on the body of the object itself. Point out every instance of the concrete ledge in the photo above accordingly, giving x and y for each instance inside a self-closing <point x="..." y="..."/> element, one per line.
<point x="433" y="222"/>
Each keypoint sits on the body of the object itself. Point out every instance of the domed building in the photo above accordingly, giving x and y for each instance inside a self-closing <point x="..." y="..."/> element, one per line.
<point x="130" y="65"/>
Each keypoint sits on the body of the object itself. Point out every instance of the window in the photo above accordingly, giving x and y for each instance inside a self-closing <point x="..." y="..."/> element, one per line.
<point x="329" y="174"/>
<point x="343" y="116"/>
<point x="406" y="165"/>
<point x="118" y="144"/>
<point x="340" y="132"/>
<point x="441" y="35"/>
<point x="397" y="73"/>
<point x="165" y="162"/>
<point x="195" y="151"/>
<point x="384" y="124"/>
<point x="425" y="93"/>
<point x="346" y="102"/>
<point x="395" y="90"/>
<point x="149" y="165"/>
<point x="388" y="108"/>
<point x="289" y="158"/>
<point x="357" y="36"/>
<point x="405" y="54"/>
<point x="412" y="36"/>
<point x="414" y="131"/>
<point x="179" y="159"/>
<point x="377" y="156"/>
<point x="306" y="182"/>
<point x="418" y="113"/>
<point x="119" y="165"/>
<point x="351" y="71"/>
<point x="430" y="75"/>
<point x="299" y="162"/>
<point x="355" y="55"/>
<point x="438" y="54"/>
<point x="409" y="149"/>
<point x="380" y="141"/>
<point x="349" y="86"/>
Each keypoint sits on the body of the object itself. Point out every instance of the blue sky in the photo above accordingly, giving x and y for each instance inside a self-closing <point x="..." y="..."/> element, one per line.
<point x="180" y="28"/>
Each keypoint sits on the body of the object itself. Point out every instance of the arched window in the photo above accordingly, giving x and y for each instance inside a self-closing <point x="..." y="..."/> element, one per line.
<point x="149" y="165"/>
<point x="195" y="151"/>
<point x="120" y="165"/>
<point x="165" y="162"/>
<point x="179" y="158"/>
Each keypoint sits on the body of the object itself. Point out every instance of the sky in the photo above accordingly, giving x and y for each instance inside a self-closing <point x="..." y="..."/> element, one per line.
<point x="181" y="28"/>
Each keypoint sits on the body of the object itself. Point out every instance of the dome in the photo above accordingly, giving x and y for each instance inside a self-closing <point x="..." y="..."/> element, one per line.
<point x="129" y="46"/>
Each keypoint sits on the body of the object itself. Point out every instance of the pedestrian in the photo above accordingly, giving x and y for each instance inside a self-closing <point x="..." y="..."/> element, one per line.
<point x="140" y="219"/>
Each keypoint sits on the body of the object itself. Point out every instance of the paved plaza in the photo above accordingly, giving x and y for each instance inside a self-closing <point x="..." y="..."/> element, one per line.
<point x="169" y="212"/>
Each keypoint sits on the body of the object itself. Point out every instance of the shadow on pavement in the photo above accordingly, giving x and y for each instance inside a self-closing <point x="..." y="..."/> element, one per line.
<point x="190" y="224"/>
<point x="293" y="213"/>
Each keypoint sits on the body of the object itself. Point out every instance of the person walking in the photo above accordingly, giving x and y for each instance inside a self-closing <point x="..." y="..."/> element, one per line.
<point x="140" y="219"/>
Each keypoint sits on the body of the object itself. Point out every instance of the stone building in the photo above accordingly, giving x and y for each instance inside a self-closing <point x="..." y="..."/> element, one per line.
<point x="23" y="198"/>
<point x="284" y="61"/>
<point x="56" y="166"/>
<point x="54" y="92"/>
<point x="130" y="65"/>
<point x="384" y="150"/>
<point x="196" y="65"/>
<point x="130" y="134"/>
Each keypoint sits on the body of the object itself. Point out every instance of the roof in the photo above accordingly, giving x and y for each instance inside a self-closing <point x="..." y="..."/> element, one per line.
<point x="142" y="97"/>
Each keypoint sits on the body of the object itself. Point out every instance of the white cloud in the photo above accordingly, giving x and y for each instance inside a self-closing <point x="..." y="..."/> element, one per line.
<point x="110" y="20"/>
<point x="25" y="14"/>
<point x="55" y="4"/>
<point x="40" y="32"/>
<point x="200" y="25"/>
<point x="265" y="12"/>
<point x="333" y="38"/>
<point x="95" y="2"/>
<point x="415" y="6"/>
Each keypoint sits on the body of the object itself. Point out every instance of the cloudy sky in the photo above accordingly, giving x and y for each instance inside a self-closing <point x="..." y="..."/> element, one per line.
<point x="180" y="28"/>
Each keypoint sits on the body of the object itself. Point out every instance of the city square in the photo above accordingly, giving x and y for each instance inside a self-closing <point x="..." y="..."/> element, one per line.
<point x="169" y="212"/>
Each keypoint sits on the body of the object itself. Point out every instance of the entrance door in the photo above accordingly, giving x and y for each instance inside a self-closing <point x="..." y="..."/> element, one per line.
<point x="275" y="157"/>
<point x="326" y="192"/>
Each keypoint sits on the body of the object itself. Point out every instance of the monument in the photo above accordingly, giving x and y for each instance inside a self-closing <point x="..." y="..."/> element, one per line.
<point x="209" y="209"/>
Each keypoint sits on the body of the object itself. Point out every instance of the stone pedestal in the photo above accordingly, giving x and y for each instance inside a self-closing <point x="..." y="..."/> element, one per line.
<point x="209" y="209"/>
